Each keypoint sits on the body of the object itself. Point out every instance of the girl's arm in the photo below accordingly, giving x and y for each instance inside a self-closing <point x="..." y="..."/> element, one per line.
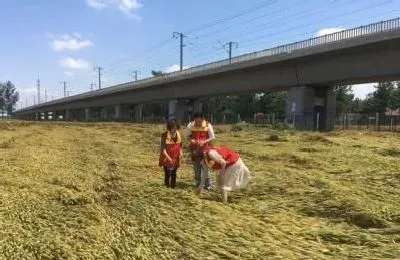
<point x="163" y="150"/>
<point x="211" y="135"/>
<point x="214" y="155"/>
<point x="166" y="155"/>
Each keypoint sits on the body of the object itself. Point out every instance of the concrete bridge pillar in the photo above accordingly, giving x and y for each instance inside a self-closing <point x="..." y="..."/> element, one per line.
<point x="117" y="112"/>
<point x="103" y="114"/>
<point x="330" y="109"/>
<point x="197" y="106"/>
<point x="87" y="114"/>
<point x="138" y="113"/>
<point x="311" y="107"/>
<point x="176" y="109"/>
<point x="47" y="115"/>
<point x="56" y="115"/>
<point x="67" y="115"/>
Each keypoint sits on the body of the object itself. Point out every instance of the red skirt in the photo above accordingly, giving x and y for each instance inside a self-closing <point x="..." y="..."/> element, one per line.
<point x="174" y="151"/>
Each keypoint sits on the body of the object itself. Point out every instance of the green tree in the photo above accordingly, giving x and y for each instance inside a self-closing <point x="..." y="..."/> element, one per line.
<point x="156" y="73"/>
<point x="155" y="109"/>
<point x="357" y="106"/>
<point x="246" y="105"/>
<point x="394" y="100"/>
<point x="344" y="98"/>
<point x="273" y="102"/>
<point x="380" y="98"/>
<point x="8" y="96"/>
<point x="368" y="104"/>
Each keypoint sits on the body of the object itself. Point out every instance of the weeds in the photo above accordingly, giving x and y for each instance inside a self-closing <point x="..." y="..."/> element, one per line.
<point x="94" y="191"/>
<point x="273" y="138"/>
<point x="394" y="152"/>
<point x="7" y="143"/>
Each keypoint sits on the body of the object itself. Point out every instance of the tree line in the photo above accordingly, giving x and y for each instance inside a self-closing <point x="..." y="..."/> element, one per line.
<point x="8" y="97"/>
<point x="384" y="98"/>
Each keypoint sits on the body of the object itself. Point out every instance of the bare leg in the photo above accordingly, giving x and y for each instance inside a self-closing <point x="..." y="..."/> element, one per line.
<point x="224" y="195"/>
<point x="200" y="190"/>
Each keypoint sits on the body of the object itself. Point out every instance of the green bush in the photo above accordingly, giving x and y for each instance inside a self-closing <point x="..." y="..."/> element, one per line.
<point x="5" y="144"/>
<point x="237" y="128"/>
<point x="282" y="126"/>
<point x="273" y="138"/>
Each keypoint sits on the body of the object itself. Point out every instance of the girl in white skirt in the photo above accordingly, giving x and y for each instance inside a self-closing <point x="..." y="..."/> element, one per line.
<point x="232" y="173"/>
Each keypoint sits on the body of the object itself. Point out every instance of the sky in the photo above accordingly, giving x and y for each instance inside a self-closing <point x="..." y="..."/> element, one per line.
<point x="57" y="41"/>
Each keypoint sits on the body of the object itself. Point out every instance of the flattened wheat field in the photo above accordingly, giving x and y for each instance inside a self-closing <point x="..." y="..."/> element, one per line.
<point x="94" y="191"/>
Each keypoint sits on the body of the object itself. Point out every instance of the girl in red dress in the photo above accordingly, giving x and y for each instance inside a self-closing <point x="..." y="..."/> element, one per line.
<point x="232" y="173"/>
<point x="171" y="152"/>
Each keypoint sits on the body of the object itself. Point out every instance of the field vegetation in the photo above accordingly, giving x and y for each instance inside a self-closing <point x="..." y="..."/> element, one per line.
<point x="94" y="191"/>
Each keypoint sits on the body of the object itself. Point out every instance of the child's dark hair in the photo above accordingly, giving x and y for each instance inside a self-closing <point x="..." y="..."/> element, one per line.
<point x="198" y="115"/>
<point x="172" y="123"/>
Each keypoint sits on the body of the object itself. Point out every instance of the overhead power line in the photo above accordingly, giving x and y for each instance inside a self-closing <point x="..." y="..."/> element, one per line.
<point x="157" y="63"/>
<point x="318" y="21"/>
<point x="98" y="69"/>
<point x="234" y="16"/>
<point x="135" y="74"/>
<point x="180" y="36"/>
<point x="228" y="47"/>
<point x="38" y="90"/>
<point x="64" y="83"/>
<point x="291" y="38"/>
<point x="270" y="24"/>
<point x="115" y="64"/>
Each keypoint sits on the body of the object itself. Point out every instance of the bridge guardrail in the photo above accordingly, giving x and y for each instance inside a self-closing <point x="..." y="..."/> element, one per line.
<point x="338" y="36"/>
<point x="287" y="48"/>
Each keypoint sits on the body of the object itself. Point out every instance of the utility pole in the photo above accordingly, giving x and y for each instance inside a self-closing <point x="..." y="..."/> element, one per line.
<point x="135" y="74"/>
<point x="38" y="91"/>
<point x="92" y="85"/>
<point x="180" y="36"/>
<point x="229" y="46"/>
<point x="99" y="69"/>
<point x="65" y="87"/>
<point x="45" y="95"/>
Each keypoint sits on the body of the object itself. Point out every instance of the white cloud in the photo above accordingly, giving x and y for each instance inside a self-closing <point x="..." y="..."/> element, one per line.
<point x="69" y="73"/>
<point x="77" y="35"/>
<point x="28" y="90"/>
<point x="27" y="95"/>
<point x="126" y="6"/>
<point x="69" y="42"/>
<point x="174" y="67"/>
<point x="362" y="90"/>
<point x="107" y="79"/>
<point x="98" y="4"/>
<point x="71" y="63"/>
<point x="330" y="30"/>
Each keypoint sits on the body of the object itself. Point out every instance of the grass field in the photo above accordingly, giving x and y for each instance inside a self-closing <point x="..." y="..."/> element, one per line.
<point x="94" y="191"/>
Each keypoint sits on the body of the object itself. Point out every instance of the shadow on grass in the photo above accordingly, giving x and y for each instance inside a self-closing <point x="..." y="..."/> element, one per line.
<point x="325" y="206"/>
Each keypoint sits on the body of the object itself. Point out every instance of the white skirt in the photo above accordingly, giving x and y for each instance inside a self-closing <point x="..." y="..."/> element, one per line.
<point x="234" y="177"/>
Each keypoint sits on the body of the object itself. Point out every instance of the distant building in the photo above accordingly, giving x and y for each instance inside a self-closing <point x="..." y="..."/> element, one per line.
<point x="392" y="112"/>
